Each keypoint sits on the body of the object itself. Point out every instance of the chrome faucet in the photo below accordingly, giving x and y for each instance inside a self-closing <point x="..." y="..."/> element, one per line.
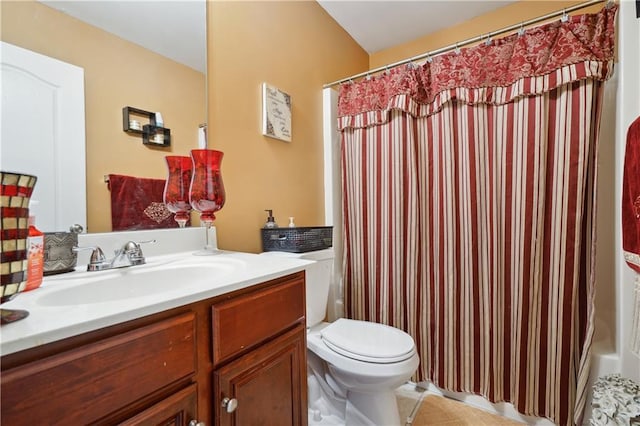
<point x="129" y="255"/>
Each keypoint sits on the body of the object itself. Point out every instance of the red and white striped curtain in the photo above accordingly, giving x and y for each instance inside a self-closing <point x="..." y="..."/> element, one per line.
<point x="469" y="211"/>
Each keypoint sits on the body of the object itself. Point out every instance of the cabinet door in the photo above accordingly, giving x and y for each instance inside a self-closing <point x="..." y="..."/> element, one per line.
<point x="179" y="409"/>
<point x="267" y="386"/>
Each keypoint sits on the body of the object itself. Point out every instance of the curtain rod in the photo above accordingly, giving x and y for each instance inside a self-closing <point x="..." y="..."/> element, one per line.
<point x="455" y="46"/>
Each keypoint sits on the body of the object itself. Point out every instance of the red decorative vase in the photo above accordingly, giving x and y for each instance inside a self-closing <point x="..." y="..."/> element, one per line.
<point x="176" y="188"/>
<point x="207" y="190"/>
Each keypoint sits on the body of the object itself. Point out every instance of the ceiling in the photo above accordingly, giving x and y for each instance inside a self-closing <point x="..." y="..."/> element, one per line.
<point x="378" y="25"/>
<point x="177" y="28"/>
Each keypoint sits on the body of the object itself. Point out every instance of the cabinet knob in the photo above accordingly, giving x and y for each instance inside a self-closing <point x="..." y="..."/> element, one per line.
<point x="196" y="423"/>
<point x="230" y="404"/>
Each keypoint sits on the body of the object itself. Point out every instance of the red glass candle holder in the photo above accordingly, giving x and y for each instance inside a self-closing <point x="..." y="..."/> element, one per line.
<point x="15" y="191"/>
<point x="176" y="189"/>
<point x="206" y="193"/>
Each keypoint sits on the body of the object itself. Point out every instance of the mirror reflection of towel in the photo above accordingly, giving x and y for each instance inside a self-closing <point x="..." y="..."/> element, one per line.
<point x="136" y="203"/>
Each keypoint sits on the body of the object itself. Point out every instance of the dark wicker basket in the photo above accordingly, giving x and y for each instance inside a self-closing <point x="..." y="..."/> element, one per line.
<point x="297" y="240"/>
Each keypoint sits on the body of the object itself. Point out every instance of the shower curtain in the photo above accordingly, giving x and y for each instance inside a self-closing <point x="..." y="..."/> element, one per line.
<point x="468" y="208"/>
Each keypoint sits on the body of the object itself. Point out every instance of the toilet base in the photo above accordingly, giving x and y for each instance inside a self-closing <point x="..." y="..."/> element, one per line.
<point x="318" y="420"/>
<point x="381" y="408"/>
<point x="385" y="413"/>
<point x="330" y="404"/>
<point x="327" y="402"/>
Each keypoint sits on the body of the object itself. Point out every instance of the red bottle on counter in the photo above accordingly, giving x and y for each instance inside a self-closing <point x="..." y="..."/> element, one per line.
<point x="35" y="256"/>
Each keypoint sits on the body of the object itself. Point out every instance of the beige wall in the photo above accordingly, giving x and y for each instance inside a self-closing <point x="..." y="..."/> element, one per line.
<point x="296" y="47"/>
<point x="500" y="18"/>
<point x="117" y="74"/>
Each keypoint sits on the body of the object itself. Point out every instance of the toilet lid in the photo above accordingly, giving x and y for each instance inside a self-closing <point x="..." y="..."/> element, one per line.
<point x="368" y="341"/>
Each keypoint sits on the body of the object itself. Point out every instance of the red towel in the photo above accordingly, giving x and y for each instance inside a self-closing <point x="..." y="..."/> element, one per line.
<point x="631" y="198"/>
<point x="631" y="222"/>
<point x="136" y="203"/>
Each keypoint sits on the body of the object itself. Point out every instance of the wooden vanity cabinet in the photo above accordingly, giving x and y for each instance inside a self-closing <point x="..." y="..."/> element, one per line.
<point x="161" y="369"/>
<point x="260" y="364"/>
<point x="91" y="382"/>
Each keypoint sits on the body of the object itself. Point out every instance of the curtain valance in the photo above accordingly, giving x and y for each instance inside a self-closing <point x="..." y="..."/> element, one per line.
<point x="540" y="60"/>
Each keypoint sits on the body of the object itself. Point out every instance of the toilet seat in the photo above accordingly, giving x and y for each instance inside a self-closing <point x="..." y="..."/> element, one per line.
<point x="317" y="345"/>
<point x="367" y="341"/>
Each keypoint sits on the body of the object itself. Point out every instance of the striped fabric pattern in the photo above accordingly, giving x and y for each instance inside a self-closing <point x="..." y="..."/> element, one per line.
<point x="471" y="229"/>
<point x="468" y="209"/>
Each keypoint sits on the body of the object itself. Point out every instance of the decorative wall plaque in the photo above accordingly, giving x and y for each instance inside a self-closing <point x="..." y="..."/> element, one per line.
<point x="276" y="113"/>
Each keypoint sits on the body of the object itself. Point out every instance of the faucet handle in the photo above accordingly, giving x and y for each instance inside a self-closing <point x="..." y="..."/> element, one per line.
<point x="97" y="261"/>
<point x="133" y="249"/>
<point x="135" y="245"/>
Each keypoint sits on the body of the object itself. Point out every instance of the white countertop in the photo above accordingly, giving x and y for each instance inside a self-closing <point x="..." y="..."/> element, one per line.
<point x="55" y="314"/>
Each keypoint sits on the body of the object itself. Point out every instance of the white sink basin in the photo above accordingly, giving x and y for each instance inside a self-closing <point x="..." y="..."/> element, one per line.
<point x="137" y="282"/>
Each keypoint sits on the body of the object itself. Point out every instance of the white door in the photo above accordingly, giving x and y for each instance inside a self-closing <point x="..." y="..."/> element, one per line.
<point x="43" y="134"/>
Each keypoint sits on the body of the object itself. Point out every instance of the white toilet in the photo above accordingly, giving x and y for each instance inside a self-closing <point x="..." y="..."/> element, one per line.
<point x="353" y="366"/>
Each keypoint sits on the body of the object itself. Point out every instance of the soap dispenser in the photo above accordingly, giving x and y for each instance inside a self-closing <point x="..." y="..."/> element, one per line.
<point x="271" y="221"/>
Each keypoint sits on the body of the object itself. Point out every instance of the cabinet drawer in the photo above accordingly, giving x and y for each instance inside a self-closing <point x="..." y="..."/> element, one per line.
<point x="247" y="320"/>
<point x="82" y="385"/>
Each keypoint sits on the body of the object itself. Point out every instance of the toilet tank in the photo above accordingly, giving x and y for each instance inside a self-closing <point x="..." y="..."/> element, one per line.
<point x="318" y="281"/>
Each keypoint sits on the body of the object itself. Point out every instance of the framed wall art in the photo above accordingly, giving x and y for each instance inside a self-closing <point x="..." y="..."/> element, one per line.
<point x="276" y="113"/>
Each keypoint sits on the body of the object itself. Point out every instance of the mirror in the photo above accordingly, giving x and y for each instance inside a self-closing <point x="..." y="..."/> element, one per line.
<point x="162" y="71"/>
